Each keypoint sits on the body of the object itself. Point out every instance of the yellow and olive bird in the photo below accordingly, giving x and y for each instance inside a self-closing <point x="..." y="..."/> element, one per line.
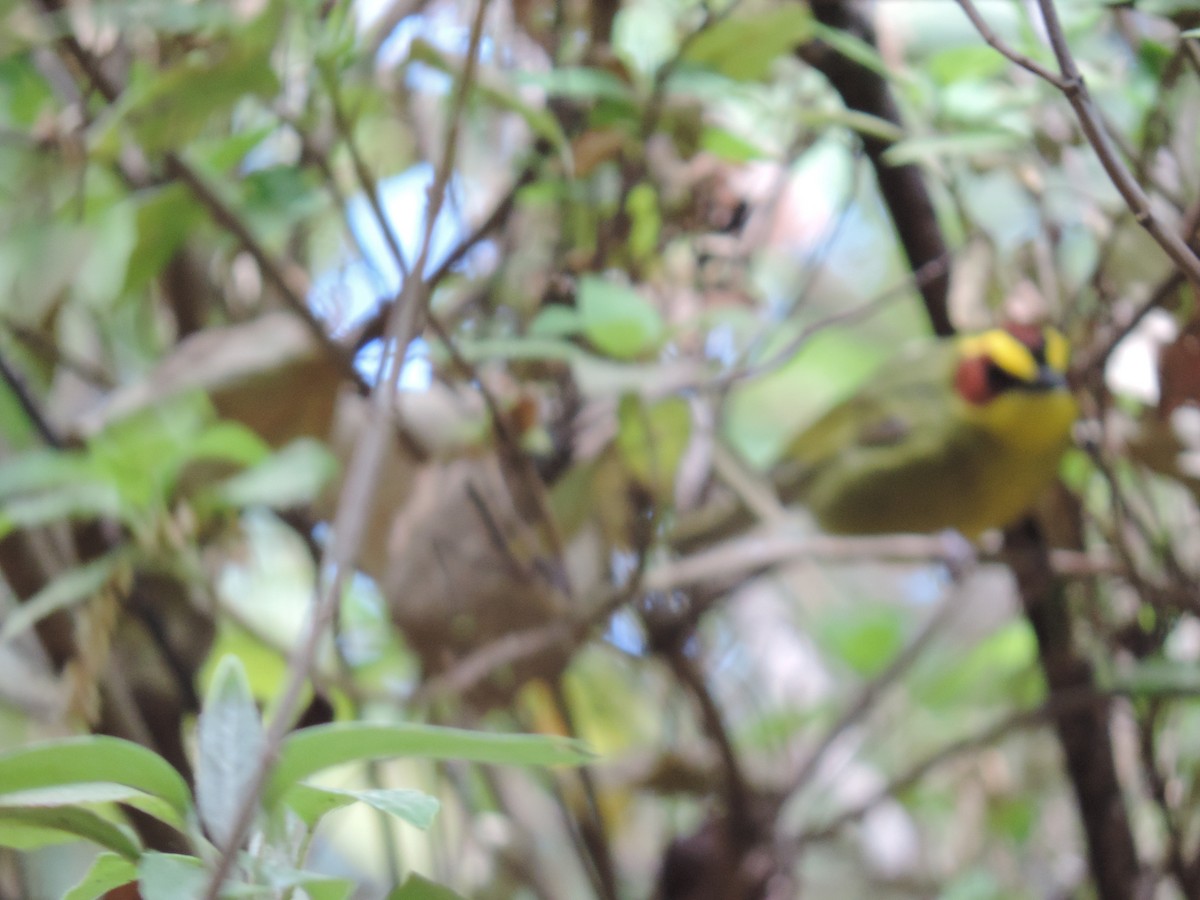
<point x="964" y="433"/>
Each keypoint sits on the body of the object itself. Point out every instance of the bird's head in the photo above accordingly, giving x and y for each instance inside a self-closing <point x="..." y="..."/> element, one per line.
<point x="1013" y="383"/>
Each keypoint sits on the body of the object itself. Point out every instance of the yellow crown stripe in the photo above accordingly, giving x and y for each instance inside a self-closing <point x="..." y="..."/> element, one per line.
<point x="1058" y="351"/>
<point x="1004" y="350"/>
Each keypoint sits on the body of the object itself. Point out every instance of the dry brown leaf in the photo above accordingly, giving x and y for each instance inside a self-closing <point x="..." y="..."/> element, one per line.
<point x="269" y="374"/>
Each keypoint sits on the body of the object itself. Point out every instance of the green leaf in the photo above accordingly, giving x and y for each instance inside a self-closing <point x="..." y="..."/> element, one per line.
<point x="170" y="16"/>
<point x="1015" y="816"/>
<point x="617" y="320"/>
<point x="1002" y="667"/>
<point x="167" y="109"/>
<point x="729" y="146"/>
<point x="652" y="439"/>
<point x="764" y="414"/>
<point x="93" y="758"/>
<point x="229" y="741"/>
<point x="578" y="83"/>
<point x="311" y="803"/>
<point x="73" y="820"/>
<point x="26" y="92"/>
<point x="82" y="501"/>
<point x="414" y="807"/>
<point x="853" y="48"/>
<point x="106" y="263"/>
<point x="858" y="122"/>
<point x="1160" y="677"/>
<point x="143" y="454"/>
<point x="975" y="884"/>
<point x="645" y="222"/>
<point x="232" y="442"/>
<point x="866" y="638"/>
<point x="108" y="871"/>
<point x="219" y="153"/>
<point x="165" y="216"/>
<point x="329" y="888"/>
<point x="279" y="878"/>
<point x="555" y="321"/>
<point x="973" y="61"/>
<point x="745" y="47"/>
<point x="171" y="876"/>
<point x="15" y="427"/>
<point x="310" y="750"/>
<point x="95" y="792"/>
<point x="290" y="478"/>
<point x="15" y="836"/>
<point x="418" y="887"/>
<point x="521" y="348"/>
<point x="72" y="795"/>
<point x="276" y="198"/>
<point x="72" y="587"/>
<point x="925" y="149"/>
<point x="41" y="470"/>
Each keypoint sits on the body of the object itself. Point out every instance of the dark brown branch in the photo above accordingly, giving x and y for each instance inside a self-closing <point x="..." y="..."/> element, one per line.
<point x="1083" y="733"/>
<point x="902" y="187"/>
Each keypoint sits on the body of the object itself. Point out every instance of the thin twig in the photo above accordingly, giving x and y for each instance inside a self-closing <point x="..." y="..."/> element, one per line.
<point x="812" y="273"/>
<point x="1070" y="83"/>
<point x="1148" y="748"/>
<point x="288" y="279"/>
<point x="592" y="832"/>
<point x="33" y="411"/>
<point x="874" y="688"/>
<point x="737" y="793"/>
<point x="1097" y="358"/>
<point x="362" y="172"/>
<point x="715" y="569"/>
<point x="921" y="276"/>
<point x="373" y="327"/>
<point x="42" y="344"/>
<point x="1018" y="721"/>
<point x="530" y="488"/>
<point x="993" y="40"/>
<point x="350" y="519"/>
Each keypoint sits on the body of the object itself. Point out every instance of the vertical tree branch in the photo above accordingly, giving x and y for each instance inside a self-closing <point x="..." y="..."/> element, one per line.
<point x="902" y="188"/>
<point x="1083" y="732"/>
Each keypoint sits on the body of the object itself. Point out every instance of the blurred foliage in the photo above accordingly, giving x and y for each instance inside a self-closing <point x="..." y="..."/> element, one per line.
<point x="662" y="251"/>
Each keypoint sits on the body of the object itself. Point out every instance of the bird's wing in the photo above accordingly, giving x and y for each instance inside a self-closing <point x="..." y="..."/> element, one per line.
<point x="903" y="409"/>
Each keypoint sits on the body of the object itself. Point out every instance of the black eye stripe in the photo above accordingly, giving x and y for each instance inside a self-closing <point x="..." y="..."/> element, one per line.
<point x="1000" y="380"/>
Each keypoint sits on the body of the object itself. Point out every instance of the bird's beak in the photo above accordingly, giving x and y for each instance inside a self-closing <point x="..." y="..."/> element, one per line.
<point x="1049" y="379"/>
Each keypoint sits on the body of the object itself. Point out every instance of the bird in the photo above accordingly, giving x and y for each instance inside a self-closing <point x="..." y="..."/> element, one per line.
<point x="963" y="433"/>
<point x="959" y="434"/>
